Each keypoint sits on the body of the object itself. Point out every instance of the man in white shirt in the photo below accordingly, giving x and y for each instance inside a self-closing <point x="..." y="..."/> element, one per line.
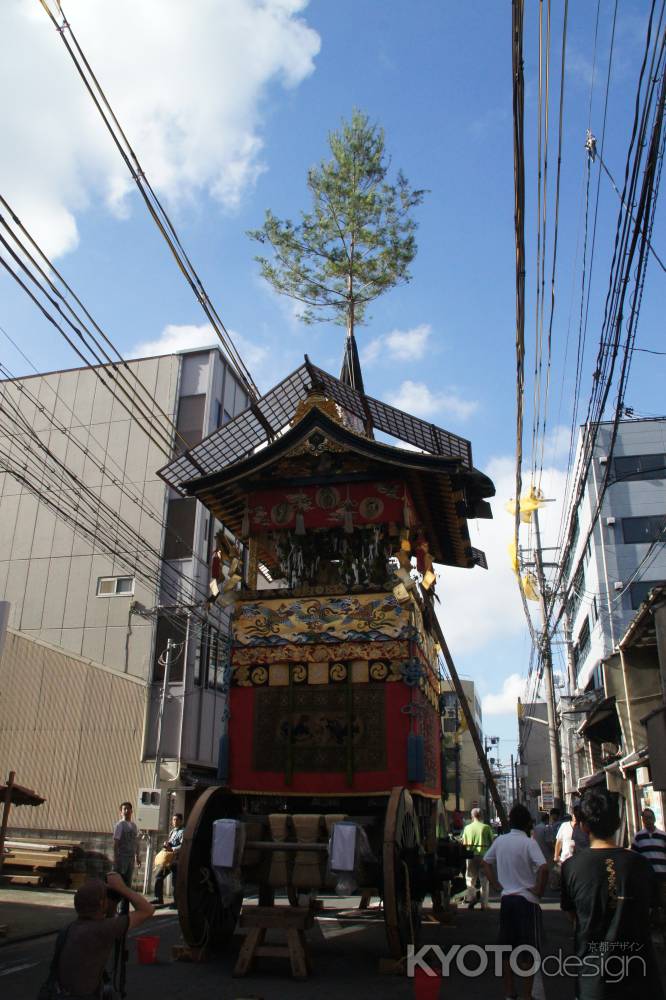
<point x="515" y="864"/>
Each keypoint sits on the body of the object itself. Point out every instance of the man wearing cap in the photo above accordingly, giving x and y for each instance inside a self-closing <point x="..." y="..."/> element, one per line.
<point x="89" y="940"/>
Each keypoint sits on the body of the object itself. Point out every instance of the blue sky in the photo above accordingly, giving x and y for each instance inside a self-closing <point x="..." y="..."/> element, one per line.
<point x="228" y="104"/>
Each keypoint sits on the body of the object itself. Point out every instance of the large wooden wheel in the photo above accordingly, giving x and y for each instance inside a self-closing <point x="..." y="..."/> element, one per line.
<point x="204" y="920"/>
<point x="401" y="855"/>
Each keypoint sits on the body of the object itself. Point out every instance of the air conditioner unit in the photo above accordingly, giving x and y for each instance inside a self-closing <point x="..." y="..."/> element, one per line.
<point x="149" y="803"/>
<point x="618" y="585"/>
<point x="610" y="520"/>
<point x="603" y="460"/>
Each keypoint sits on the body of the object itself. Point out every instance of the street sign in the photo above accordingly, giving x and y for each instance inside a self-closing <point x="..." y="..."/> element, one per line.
<point x="547" y="798"/>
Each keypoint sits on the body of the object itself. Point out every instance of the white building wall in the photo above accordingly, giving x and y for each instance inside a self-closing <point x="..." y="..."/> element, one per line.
<point x="611" y="565"/>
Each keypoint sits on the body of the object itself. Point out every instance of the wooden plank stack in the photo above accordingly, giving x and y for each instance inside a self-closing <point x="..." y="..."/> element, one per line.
<point x="44" y="863"/>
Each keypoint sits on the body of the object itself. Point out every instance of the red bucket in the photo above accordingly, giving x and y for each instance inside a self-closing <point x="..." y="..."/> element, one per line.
<point x="146" y="949"/>
<point x="426" y="987"/>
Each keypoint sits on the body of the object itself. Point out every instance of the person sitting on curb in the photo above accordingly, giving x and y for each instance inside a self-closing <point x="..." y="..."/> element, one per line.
<point x="87" y="943"/>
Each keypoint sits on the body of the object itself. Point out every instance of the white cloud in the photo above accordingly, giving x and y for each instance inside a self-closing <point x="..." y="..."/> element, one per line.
<point x="175" y="338"/>
<point x="481" y="609"/>
<point x="398" y="345"/>
<point x="504" y="703"/>
<point x="187" y="81"/>
<point x="557" y="443"/>
<point x="417" y="398"/>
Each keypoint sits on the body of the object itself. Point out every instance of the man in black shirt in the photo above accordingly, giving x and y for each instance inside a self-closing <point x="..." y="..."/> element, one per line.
<point x="608" y="892"/>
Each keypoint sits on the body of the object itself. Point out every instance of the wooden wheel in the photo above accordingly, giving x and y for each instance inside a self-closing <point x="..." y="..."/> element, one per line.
<point x="401" y="855"/>
<point x="204" y="920"/>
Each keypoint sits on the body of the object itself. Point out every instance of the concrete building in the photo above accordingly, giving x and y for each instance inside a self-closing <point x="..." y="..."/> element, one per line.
<point x="609" y="575"/>
<point x="534" y="752"/>
<point x="463" y="766"/>
<point x="91" y="611"/>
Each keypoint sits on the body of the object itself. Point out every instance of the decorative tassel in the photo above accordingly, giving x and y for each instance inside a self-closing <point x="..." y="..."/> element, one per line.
<point x="406" y="512"/>
<point x="245" y="523"/>
<point x="299" y="528"/>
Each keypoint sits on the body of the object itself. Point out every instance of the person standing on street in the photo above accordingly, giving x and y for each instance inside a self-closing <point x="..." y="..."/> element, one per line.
<point x="542" y="833"/>
<point x="608" y="892"/>
<point x="126" y="844"/>
<point x="477" y="837"/>
<point x="570" y="837"/>
<point x="650" y="842"/>
<point x="173" y="844"/>
<point x="521" y="876"/>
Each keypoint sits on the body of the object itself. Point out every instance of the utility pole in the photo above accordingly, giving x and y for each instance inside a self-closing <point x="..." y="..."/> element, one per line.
<point x="513" y="781"/>
<point x="547" y="660"/>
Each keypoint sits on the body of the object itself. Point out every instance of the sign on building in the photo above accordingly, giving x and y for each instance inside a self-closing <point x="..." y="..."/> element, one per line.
<point x="547" y="798"/>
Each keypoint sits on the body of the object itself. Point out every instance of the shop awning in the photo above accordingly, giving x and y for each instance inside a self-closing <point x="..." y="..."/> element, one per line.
<point x="598" y="778"/>
<point x="637" y="759"/>
<point x="602" y="723"/>
<point x="20" y="796"/>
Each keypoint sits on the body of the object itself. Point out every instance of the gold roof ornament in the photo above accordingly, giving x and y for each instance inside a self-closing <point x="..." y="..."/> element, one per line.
<point x="316" y="399"/>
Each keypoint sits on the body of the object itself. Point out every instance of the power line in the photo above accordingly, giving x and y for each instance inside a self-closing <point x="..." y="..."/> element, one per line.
<point x="88" y="346"/>
<point x="152" y="202"/>
<point x="628" y="242"/>
<point x="100" y="464"/>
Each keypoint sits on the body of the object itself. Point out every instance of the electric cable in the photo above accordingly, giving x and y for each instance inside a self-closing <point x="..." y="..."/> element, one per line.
<point x="152" y="202"/>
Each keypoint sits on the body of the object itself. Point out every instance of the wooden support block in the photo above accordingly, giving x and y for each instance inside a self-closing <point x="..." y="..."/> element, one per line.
<point x="392" y="967"/>
<point x="185" y="953"/>
<point x="296" y="945"/>
<point x="253" y="940"/>
<point x="293" y="920"/>
<point x="300" y="917"/>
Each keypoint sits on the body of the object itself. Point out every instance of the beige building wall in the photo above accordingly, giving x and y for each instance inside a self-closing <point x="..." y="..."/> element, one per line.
<point x="73" y="731"/>
<point x="49" y="572"/>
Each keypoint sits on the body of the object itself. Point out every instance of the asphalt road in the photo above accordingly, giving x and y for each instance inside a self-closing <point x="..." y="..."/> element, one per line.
<point x="345" y="948"/>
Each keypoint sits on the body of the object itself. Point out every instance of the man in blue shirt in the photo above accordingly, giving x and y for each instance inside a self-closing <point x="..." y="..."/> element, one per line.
<point x="173" y="843"/>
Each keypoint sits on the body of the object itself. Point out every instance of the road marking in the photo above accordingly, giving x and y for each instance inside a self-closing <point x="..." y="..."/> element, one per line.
<point x="17" y="968"/>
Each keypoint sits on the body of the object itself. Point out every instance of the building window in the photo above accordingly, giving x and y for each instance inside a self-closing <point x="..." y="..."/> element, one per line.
<point x="174" y="628"/>
<point x="179" y="533"/>
<point x="582" y="647"/>
<point x="190" y="421"/>
<point x="576" y="593"/>
<point x="639" y="591"/>
<point x="115" y="586"/>
<point x="643" y="529"/>
<point x="640" y="467"/>
<point x="212" y="659"/>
